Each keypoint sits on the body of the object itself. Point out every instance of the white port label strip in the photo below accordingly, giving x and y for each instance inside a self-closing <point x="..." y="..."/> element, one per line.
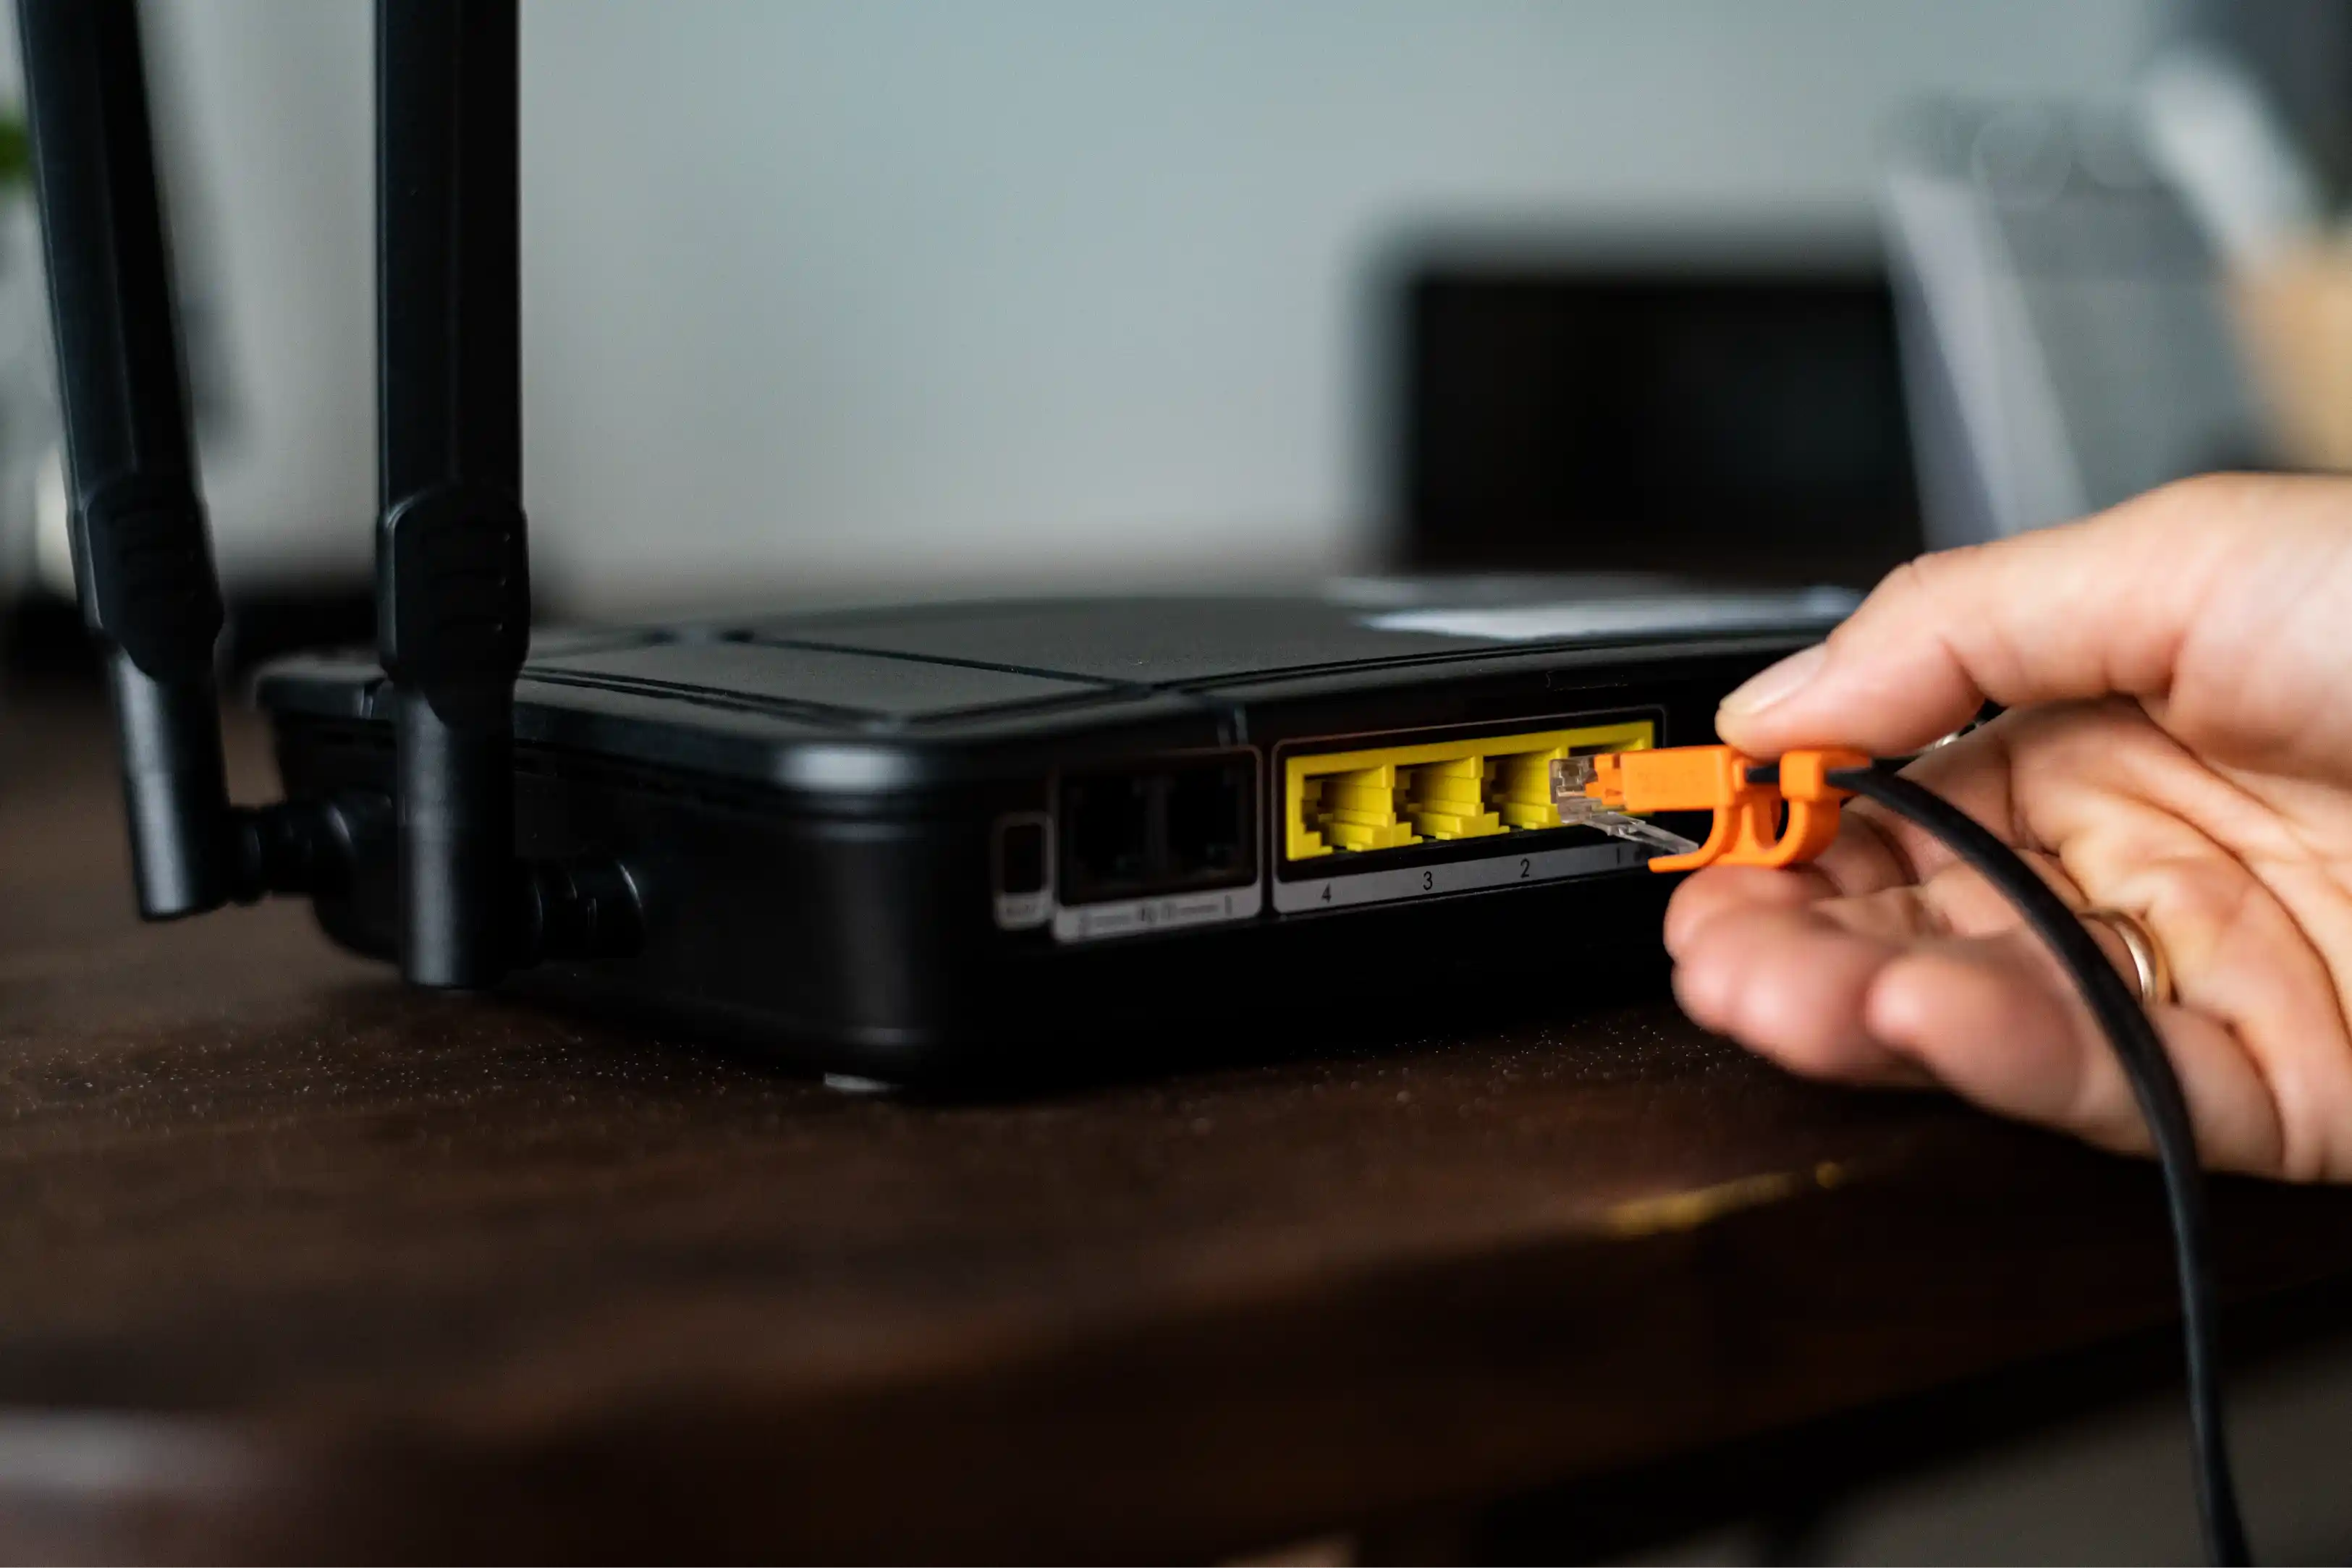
<point x="1455" y="876"/>
<point x="1087" y="922"/>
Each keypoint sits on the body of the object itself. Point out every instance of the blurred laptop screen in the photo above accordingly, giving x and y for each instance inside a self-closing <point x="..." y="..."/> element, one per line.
<point x="1742" y="426"/>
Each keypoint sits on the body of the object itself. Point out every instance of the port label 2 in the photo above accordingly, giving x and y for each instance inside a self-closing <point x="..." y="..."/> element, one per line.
<point x="1455" y="876"/>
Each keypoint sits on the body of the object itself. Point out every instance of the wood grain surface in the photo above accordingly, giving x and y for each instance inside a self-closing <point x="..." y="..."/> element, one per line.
<point x="299" y="1264"/>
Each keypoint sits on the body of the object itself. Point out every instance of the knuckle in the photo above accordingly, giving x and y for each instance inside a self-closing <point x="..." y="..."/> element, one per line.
<point x="1916" y="581"/>
<point x="1911" y="598"/>
<point x="2192" y="503"/>
<point x="2194" y="493"/>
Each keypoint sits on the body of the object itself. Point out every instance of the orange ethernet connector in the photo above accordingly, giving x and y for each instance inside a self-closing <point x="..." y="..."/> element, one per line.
<point x="1746" y="795"/>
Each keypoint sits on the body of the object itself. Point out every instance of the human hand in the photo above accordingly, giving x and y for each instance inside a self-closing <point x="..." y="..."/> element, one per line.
<point x="2179" y="746"/>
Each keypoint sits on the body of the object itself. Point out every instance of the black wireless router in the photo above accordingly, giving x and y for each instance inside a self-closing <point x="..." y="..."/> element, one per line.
<point x="936" y="843"/>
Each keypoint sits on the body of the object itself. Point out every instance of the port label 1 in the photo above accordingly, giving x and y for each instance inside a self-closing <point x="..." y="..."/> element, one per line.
<point x="1395" y="882"/>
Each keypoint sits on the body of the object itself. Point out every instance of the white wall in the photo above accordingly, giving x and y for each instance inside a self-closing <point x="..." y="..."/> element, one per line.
<point x="841" y="293"/>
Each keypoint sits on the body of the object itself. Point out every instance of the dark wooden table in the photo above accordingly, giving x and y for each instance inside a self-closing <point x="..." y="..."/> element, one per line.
<point x="299" y="1264"/>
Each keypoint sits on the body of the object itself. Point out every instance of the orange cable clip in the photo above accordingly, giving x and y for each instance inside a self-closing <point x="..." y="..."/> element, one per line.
<point x="1748" y="830"/>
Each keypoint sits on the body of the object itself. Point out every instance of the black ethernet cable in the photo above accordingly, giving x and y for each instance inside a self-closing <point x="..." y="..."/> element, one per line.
<point x="2154" y="1085"/>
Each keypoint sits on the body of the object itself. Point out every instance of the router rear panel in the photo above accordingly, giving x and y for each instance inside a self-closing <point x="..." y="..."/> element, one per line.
<point x="933" y="844"/>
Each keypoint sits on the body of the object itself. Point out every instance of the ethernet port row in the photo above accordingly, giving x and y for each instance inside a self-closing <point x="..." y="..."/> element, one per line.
<point x="1394" y="797"/>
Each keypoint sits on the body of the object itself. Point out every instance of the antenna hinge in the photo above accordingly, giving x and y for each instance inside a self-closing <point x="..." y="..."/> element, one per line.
<point x="146" y="575"/>
<point x="453" y="608"/>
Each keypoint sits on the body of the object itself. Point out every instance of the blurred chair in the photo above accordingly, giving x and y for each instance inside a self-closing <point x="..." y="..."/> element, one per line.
<point x="1703" y="412"/>
<point x="2066" y="331"/>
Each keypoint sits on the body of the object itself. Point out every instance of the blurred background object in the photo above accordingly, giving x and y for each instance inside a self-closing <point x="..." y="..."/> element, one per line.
<point x="1713" y="404"/>
<point x="27" y="418"/>
<point x="2298" y="55"/>
<point x="2067" y="328"/>
<point x="831" y="299"/>
<point x="828" y="299"/>
<point x="2295" y="311"/>
<point x="2251" y="116"/>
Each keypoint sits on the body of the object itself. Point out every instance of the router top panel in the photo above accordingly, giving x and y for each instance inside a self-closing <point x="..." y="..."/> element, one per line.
<point x="1195" y="642"/>
<point x="937" y="674"/>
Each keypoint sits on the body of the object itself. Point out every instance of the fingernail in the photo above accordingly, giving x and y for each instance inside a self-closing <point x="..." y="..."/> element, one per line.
<point x="1781" y="682"/>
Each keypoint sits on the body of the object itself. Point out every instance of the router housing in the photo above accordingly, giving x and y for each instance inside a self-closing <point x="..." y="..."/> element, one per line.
<point x="952" y="842"/>
<point x="949" y="842"/>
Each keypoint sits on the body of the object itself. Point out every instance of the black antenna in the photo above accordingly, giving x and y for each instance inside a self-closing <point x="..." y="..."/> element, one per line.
<point x="140" y="556"/>
<point x="452" y="586"/>
<point x="453" y="576"/>
<point x="142" y="559"/>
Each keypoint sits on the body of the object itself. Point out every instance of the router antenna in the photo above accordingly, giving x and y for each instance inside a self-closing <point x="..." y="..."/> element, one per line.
<point x="140" y="555"/>
<point x="453" y="577"/>
<point x="452" y="582"/>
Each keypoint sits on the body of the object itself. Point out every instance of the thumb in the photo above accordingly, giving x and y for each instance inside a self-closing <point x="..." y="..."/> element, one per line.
<point x="2093" y="609"/>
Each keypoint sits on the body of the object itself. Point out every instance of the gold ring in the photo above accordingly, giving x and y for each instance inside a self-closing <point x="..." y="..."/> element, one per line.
<point x="2148" y="963"/>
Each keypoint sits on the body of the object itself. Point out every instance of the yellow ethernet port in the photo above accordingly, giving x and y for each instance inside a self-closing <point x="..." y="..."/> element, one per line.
<point x="1388" y="797"/>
